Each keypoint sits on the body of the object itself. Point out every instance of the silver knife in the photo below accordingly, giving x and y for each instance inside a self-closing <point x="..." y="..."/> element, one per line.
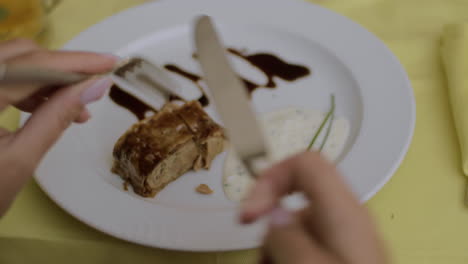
<point x="230" y="97"/>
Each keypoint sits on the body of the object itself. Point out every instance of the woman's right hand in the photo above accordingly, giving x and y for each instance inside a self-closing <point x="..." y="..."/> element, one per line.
<point x="52" y="109"/>
<point x="334" y="228"/>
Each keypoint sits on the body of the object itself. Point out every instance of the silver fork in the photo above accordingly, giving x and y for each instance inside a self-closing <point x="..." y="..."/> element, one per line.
<point x="151" y="83"/>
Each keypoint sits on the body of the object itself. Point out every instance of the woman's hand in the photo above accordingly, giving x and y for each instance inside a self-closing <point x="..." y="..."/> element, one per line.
<point x="334" y="228"/>
<point x="53" y="110"/>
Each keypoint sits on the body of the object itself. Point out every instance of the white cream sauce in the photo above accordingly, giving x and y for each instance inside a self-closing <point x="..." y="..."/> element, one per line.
<point x="288" y="131"/>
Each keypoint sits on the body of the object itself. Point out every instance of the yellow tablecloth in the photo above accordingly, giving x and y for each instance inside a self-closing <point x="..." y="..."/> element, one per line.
<point x="420" y="211"/>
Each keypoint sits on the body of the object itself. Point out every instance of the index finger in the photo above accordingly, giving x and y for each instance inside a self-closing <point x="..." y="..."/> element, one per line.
<point x="309" y="173"/>
<point x="67" y="61"/>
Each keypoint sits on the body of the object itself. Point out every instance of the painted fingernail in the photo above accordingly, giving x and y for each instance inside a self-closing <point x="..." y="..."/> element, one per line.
<point x="96" y="90"/>
<point x="280" y="217"/>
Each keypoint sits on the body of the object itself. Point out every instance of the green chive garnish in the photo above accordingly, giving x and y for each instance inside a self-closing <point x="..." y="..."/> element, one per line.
<point x="330" y="124"/>
<point x="325" y="120"/>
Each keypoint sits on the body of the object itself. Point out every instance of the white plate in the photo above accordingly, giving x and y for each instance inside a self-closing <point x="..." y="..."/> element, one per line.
<point x="371" y="88"/>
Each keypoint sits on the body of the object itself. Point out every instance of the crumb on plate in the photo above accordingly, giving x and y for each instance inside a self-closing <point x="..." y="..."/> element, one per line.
<point x="204" y="189"/>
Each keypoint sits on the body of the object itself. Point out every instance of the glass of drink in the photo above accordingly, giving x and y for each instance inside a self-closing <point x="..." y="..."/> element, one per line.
<point x="23" y="18"/>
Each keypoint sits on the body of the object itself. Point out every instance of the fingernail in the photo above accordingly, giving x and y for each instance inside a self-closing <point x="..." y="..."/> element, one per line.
<point x="280" y="217"/>
<point x="96" y="90"/>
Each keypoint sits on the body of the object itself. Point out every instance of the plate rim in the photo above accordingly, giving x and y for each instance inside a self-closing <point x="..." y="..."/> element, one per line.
<point x="396" y="163"/>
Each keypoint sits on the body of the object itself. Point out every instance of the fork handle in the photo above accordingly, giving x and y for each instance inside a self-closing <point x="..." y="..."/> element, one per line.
<point x="22" y="74"/>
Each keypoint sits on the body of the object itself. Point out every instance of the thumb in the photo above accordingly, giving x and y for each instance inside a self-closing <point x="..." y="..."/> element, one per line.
<point x="288" y="241"/>
<point x="49" y="121"/>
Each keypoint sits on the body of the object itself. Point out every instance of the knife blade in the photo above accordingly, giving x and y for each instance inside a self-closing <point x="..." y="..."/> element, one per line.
<point x="230" y="97"/>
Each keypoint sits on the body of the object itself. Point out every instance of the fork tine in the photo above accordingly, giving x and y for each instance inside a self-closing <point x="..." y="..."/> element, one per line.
<point x="148" y="79"/>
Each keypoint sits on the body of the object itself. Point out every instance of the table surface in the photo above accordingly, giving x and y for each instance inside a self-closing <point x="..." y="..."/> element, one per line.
<point x="420" y="212"/>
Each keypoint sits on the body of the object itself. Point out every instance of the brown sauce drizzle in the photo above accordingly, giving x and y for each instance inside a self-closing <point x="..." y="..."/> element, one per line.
<point x="196" y="79"/>
<point x="130" y="102"/>
<point x="203" y="100"/>
<point x="128" y="67"/>
<point x="251" y="86"/>
<point x="177" y="70"/>
<point x="270" y="65"/>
